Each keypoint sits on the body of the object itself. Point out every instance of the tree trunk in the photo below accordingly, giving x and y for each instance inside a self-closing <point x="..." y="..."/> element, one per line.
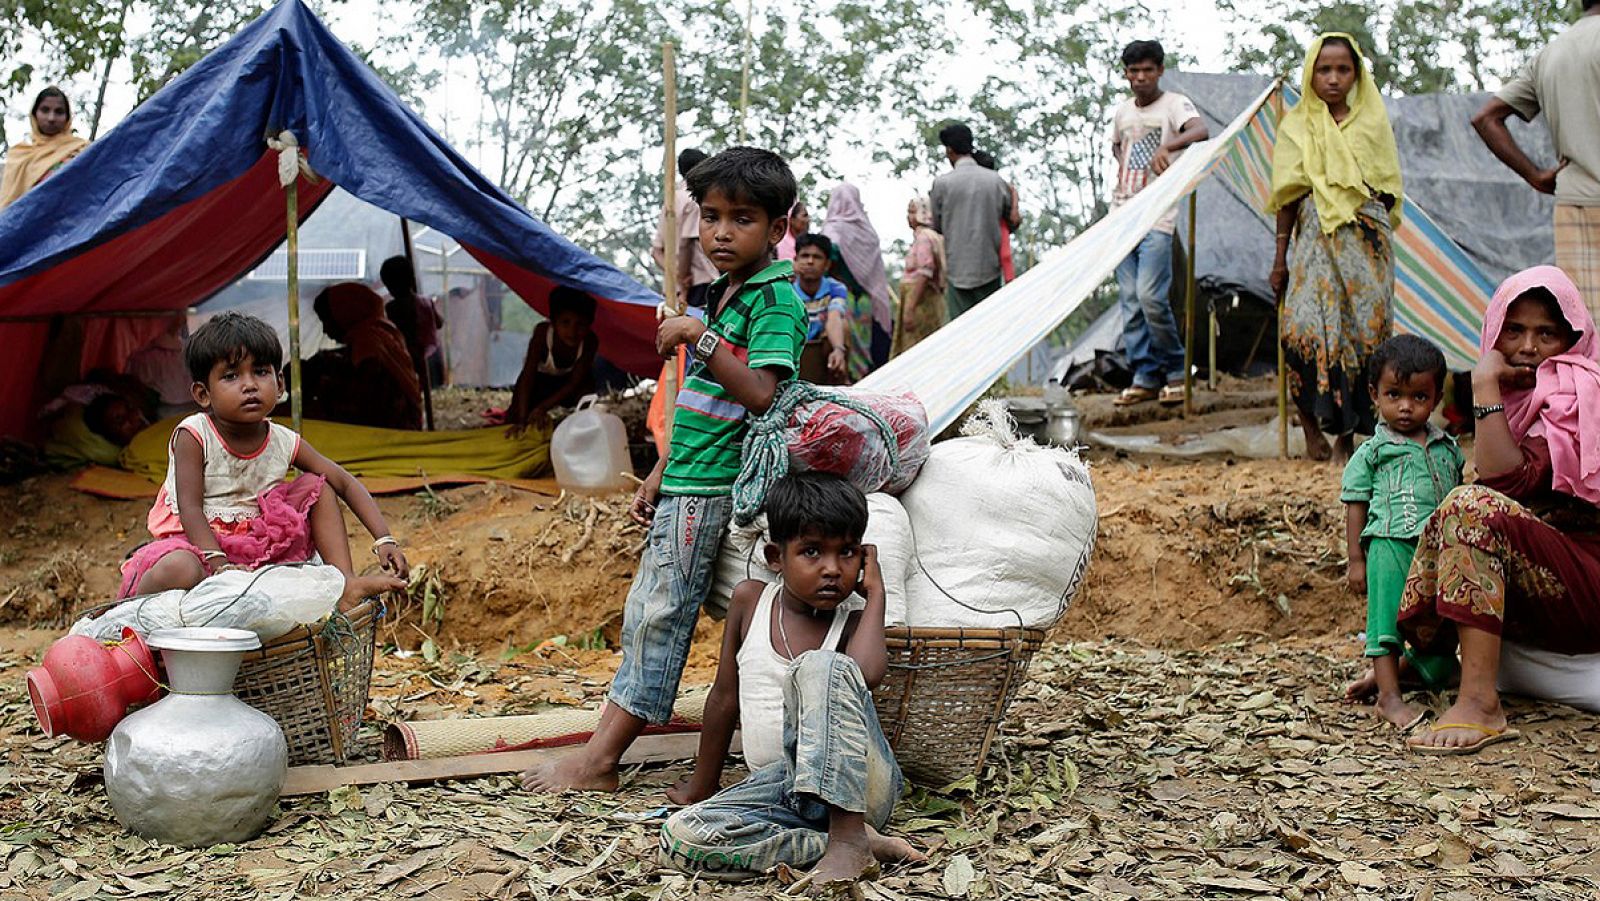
<point x="113" y="53"/>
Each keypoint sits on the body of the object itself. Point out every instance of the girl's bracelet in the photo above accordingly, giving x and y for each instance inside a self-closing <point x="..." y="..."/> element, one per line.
<point x="387" y="539"/>
<point x="207" y="555"/>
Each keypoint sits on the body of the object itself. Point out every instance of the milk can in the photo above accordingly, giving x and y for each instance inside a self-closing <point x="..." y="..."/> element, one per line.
<point x="199" y="766"/>
<point x="589" y="451"/>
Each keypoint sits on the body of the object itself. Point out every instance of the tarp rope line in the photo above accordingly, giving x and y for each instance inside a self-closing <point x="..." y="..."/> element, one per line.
<point x="1440" y="294"/>
<point x="766" y="446"/>
<point x="952" y="367"/>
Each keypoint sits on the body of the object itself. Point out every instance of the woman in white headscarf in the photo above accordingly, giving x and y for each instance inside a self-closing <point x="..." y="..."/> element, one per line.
<point x="922" y="284"/>
<point x="858" y="263"/>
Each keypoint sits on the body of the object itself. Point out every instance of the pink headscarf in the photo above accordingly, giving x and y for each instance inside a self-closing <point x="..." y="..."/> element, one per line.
<point x="848" y="227"/>
<point x="1563" y="406"/>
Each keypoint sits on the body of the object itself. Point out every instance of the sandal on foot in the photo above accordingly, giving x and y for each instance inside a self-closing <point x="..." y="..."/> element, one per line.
<point x="1171" y="396"/>
<point x="1490" y="737"/>
<point x="1135" y="395"/>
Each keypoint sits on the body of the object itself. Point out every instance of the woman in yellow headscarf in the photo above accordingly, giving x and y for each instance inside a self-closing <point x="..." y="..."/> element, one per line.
<point x="1334" y="267"/>
<point x="52" y="146"/>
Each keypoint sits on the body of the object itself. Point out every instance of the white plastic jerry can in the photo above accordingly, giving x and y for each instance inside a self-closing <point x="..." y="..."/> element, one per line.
<point x="590" y="451"/>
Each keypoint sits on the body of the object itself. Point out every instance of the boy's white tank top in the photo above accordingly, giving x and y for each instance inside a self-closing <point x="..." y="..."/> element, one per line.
<point x="761" y="674"/>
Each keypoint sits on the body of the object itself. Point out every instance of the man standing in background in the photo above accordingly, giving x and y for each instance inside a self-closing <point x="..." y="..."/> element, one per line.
<point x="968" y="202"/>
<point x="1563" y="82"/>
<point x="695" y="271"/>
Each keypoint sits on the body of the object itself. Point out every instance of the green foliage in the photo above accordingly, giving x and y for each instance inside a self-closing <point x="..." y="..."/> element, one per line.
<point x="1416" y="46"/>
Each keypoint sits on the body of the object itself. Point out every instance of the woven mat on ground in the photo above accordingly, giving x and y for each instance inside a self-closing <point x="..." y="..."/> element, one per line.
<point x="119" y="484"/>
<point x="371" y="454"/>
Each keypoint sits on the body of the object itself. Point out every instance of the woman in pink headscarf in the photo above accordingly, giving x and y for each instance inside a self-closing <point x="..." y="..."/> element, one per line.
<point x="859" y="264"/>
<point x="1516" y="555"/>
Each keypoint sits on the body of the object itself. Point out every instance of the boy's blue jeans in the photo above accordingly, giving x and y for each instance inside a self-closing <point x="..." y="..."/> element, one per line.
<point x="834" y="753"/>
<point x="674" y="577"/>
<point x="1150" y="334"/>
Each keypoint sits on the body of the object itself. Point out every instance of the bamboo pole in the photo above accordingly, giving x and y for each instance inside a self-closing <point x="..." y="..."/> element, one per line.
<point x="1189" y="301"/>
<point x="1283" y="392"/>
<point x="1211" y="347"/>
<point x="672" y="304"/>
<point x="744" y="78"/>
<point x="292" y="201"/>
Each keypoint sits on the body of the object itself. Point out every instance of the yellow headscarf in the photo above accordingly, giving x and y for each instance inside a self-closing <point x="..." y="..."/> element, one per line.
<point x="1341" y="164"/>
<point x="28" y="164"/>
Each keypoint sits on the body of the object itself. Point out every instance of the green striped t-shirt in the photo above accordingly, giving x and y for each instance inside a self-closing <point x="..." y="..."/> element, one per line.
<point x="766" y="325"/>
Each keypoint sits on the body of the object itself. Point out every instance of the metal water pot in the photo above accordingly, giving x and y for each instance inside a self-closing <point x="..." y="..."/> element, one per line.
<point x="199" y="766"/>
<point x="1062" y="428"/>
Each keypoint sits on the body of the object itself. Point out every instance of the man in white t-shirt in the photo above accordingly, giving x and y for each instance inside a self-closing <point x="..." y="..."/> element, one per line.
<point x="1563" y="82"/>
<point x="1148" y="131"/>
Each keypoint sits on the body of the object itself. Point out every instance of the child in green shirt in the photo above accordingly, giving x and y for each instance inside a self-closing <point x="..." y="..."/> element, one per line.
<point x="1391" y="486"/>
<point x="749" y="342"/>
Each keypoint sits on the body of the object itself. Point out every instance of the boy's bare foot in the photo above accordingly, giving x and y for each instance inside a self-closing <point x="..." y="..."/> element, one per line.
<point x="1393" y="707"/>
<point x="845" y="861"/>
<point x="572" y="772"/>
<point x="1362" y="690"/>
<point x="889" y="849"/>
<point x="358" y="588"/>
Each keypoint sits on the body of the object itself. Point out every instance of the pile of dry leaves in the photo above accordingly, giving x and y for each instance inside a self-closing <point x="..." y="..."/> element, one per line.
<point x="1230" y="772"/>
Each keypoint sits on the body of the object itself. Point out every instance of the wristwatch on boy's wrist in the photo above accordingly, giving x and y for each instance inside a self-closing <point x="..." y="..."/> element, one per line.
<point x="706" y="346"/>
<point x="1484" y="412"/>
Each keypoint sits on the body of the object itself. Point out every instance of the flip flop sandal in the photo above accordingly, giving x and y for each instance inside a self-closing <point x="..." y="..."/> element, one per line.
<point x="1135" y="395"/>
<point x="1490" y="737"/>
<point x="1170" y="396"/>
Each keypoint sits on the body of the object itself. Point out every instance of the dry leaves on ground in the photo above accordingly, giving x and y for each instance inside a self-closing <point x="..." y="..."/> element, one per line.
<point x="1124" y="772"/>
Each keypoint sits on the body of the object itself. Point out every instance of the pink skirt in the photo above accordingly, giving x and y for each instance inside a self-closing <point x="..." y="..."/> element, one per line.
<point x="280" y="534"/>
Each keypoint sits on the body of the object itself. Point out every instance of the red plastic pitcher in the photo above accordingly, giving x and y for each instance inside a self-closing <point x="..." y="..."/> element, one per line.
<point x="82" y="688"/>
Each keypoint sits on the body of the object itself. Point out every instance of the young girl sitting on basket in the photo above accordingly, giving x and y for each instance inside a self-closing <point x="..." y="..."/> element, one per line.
<point x="799" y="661"/>
<point x="225" y="504"/>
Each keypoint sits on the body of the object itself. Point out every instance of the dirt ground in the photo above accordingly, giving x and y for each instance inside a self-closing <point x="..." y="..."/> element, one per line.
<point x="1181" y="736"/>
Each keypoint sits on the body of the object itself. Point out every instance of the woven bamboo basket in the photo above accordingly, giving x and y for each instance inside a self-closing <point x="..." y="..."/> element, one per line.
<point x="945" y="694"/>
<point x="315" y="682"/>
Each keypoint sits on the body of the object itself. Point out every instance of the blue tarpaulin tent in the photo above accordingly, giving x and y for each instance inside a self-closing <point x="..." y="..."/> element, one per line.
<point x="182" y="197"/>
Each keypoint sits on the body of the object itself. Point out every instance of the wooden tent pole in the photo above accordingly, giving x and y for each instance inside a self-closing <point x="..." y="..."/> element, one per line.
<point x="292" y="199"/>
<point x="744" y="78"/>
<point x="673" y="304"/>
<point x="1283" y="392"/>
<point x="421" y="366"/>
<point x="1188" y="304"/>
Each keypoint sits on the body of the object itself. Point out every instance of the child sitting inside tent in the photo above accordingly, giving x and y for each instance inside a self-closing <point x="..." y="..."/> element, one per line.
<point x="799" y="661"/>
<point x="225" y="504"/>
<point x="559" y="367"/>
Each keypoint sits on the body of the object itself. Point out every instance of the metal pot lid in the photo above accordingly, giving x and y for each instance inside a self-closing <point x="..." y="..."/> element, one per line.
<point x="202" y="638"/>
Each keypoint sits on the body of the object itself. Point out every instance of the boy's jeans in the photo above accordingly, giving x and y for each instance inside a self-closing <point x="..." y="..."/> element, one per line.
<point x="834" y="753"/>
<point x="1149" y="330"/>
<point x="674" y="577"/>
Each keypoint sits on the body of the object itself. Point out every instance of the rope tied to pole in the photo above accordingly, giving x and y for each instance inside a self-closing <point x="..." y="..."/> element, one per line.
<point x="766" y="445"/>
<point x="291" y="164"/>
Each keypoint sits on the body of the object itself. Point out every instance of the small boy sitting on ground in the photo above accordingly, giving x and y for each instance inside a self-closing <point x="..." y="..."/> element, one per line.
<point x="823" y="360"/>
<point x="559" y="368"/>
<point x="748" y="344"/>
<point x="1391" y="486"/>
<point x="799" y="661"/>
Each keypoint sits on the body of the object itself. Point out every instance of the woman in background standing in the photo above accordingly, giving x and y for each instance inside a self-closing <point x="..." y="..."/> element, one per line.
<point x="52" y="146"/>
<point x="922" y="285"/>
<point x="858" y="263"/>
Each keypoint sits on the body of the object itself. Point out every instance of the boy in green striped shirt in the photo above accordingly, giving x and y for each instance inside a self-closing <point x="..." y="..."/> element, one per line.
<point x="750" y="342"/>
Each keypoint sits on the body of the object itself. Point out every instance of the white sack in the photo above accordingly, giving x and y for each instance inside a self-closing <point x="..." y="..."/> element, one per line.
<point x="1003" y="529"/>
<point x="1571" y="679"/>
<point x="742" y="556"/>
<point x="270" y="602"/>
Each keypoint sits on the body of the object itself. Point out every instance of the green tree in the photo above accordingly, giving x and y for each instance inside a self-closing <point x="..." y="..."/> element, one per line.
<point x="1410" y="42"/>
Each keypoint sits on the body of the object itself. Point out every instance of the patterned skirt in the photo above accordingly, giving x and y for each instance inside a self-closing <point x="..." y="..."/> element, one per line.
<point x="1338" y="308"/>
<point x="1487" y="562"/>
